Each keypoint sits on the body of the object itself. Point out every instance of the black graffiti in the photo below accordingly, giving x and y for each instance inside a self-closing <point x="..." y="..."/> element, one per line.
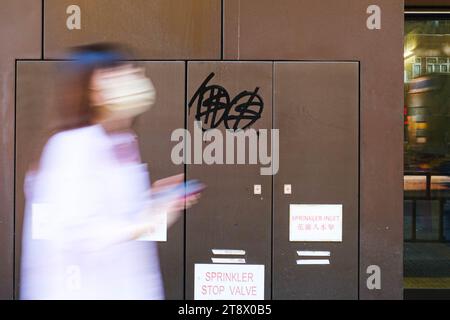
<point x="215" y="107"/>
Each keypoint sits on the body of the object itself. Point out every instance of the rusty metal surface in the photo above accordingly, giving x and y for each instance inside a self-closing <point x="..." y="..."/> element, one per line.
<point x="158" y="29"/>
<point x="154" y="129"/>
<point x="20" y="38"/>
<point x="316" y="111"/>
<point x="37" y="104"/>
<point x="252" y="30"/>
<point x="229" y="215"/>
<point x="336" y="30"/>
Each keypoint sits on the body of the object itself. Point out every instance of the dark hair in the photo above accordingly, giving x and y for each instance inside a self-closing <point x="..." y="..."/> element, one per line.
<point x="98" y="55"/>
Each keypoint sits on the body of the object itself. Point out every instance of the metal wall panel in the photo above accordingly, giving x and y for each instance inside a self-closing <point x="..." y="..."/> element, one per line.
<point x="157" y="29"/>
<point x="154" y="129"/>
<point x="36" y="102"/>
<point x="38" y="99"/>
<point x="316" y="111"/>
<point x="337" y="30"/>
<point x="20" y="35"/>
<point x="427" y="3"/>
<point x="229" y="215"/>
<point x="180" y="29"/>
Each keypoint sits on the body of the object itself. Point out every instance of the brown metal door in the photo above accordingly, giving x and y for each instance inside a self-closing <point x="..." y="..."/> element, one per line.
<point x="38" y="92"/>
<point x="229" y="214"/>
<point x="316" y="111"/>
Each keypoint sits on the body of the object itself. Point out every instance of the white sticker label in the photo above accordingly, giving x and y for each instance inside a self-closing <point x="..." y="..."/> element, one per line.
<point x="287" y="189"/>
<point x="228" y="251"/>
<point x="229" y="282"/>
<point x="228" y="260"/>
<point x="315" y="222"/>
<point x="313" y="253"/>
<point x="160" y="231"/>
<point x="313" y="261"/>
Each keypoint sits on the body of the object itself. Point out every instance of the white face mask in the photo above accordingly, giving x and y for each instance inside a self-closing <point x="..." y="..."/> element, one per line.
<point x="123" y="92"/>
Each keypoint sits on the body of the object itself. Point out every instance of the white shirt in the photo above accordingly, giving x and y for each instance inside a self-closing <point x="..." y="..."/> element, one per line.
<point x="77" y="203"/>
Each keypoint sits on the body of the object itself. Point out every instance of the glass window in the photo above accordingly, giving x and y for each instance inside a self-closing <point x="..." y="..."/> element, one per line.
<point x="416" y="71"/>
<point x="427" y="153"/>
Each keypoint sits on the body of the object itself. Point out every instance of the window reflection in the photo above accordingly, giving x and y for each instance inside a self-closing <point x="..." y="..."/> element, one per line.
<point x="427" y="156"/>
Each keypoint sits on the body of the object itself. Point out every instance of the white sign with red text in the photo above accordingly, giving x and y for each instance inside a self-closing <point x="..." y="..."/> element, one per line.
<point x="229" y="282"/>
<point x="315" y="222"/>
